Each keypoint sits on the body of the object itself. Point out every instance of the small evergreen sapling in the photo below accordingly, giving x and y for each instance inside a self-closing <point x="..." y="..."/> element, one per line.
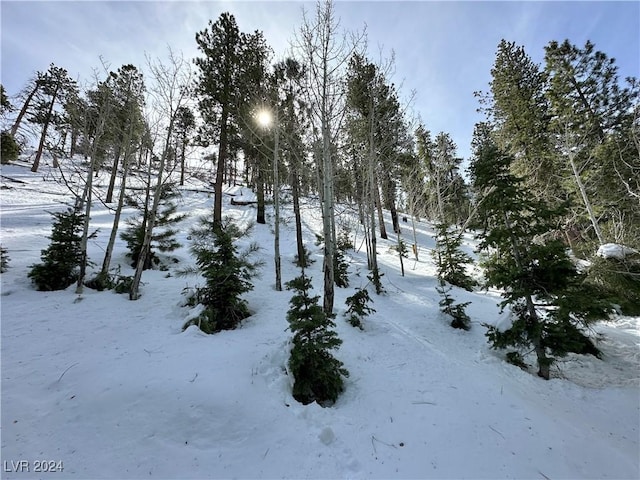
<point x="227" y="274"/>
<point x="401" y="248"/>
<point x="375" y="277"/>
<point x="111" y="281"/>
<point x="450" y="260"/>
<point x="164" y="231"/>
<point x="358" y="307"/>
<point x="455" y="310"/>
<point x="306" y="260"/>
<point x="61" y="260"/>
<point x="318" y="375"/>
<point x="340" y="269"/>
<point x="4" y="260"/>
<point x="340" y="264"/>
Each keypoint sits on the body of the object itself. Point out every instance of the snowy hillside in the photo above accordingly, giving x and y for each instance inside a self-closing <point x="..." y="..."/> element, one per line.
<point x="103" y="387"/>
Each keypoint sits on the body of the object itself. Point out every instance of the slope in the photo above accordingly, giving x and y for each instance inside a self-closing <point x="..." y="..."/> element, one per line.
<point x="115" y="389"/>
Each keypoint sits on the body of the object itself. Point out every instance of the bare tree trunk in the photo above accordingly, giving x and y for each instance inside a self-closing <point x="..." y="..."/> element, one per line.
<point x="585" y="198"/>
<point x="441" y="218"/>
<point x="415" y="236"/>
<point x="260" y="215"/>
<point x="394" y="215"/>
<point x="372" y="258"/>
<point x="150" y="219"/>
<point x="222" y="159"/>
<point x="276" y="205"/>
<point x="23" y="110"/>
<point x="378" y="201"/>
<point x="325" y="55"/>
<point x="116" y="218"/>
<point x="43" y="135"/>
<point x="328" y="220"/>
<point x="74" y="142"/>
<point x="302" y="256"/>
<point x="400" y="252"/>
<point x="182" y="155"/>
<point x="87" y="197"/>
<point x="170" y="90"/>
<point x="85" y="232"/>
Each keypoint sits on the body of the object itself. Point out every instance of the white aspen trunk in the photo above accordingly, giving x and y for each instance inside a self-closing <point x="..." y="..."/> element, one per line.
<point x="116" y="218"/>
<point x="85" y="232"/>
<point x="415" y="235"/>
<point x="87" y="198"/>
<point x="439" y="198"/>
<point x="327" y="220"/>
<point x="325" y="56"/>
<point x="585" y="198"/>
<point x="373" y="260"/>
<point x="276" y="205"/>
<point x="151" y="220"/>
<point x="170" y="93"/>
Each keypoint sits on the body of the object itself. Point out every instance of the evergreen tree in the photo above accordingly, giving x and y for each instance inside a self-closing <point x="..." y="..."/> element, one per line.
<point x="451" y="264"/>
<point x="592" y="122"/>
<point x="618" y="278"/>
<point x="164" y="231"/>
<point x="10" y="148"/>
<point x="450" y="260"/>
<point x="457" y="311"/>
<point x="126" y="125"/>
<point x="375" y="277"/>
<point x="227" y="274"/>
<point x="289" y="76"/>
<point x="61" y="259"/>
<point x="4" y="259"/>
<point x="185" y="124"/>
<point x="318" y="375"/>
<point x="29" y="92"/>
<point x="53" y="87"/>
<point x="358" y="307"/>
<point x="437" y="180"/>
<point x="222" y="86"/>
<point x="73" y="121"/>
<point x="341" y="266"/>
<point x="548" y="297"/>
<point x="520" y="111"/>
<point x="5" y="104"/>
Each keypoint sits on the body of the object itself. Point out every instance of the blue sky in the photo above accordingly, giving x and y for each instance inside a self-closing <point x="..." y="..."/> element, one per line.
<point x="443" y="50"/>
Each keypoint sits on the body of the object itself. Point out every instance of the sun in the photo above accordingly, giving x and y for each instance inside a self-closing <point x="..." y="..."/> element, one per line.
<point x="264" y="118"/>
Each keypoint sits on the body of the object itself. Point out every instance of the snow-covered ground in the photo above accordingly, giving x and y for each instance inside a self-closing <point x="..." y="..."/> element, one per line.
<point x="104" y="387"/>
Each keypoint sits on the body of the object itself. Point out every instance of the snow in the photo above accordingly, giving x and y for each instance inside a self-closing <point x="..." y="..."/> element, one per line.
<point x="614" y="250"/>
<point x="115" y="389"/>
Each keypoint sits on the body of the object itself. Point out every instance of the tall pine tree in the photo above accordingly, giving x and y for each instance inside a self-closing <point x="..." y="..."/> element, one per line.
<point x="547" y="296"/>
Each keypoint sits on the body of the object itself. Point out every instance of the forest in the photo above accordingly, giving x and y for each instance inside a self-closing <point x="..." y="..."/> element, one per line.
<point x="551" y="191"/>
<point x="240" y="265"/>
